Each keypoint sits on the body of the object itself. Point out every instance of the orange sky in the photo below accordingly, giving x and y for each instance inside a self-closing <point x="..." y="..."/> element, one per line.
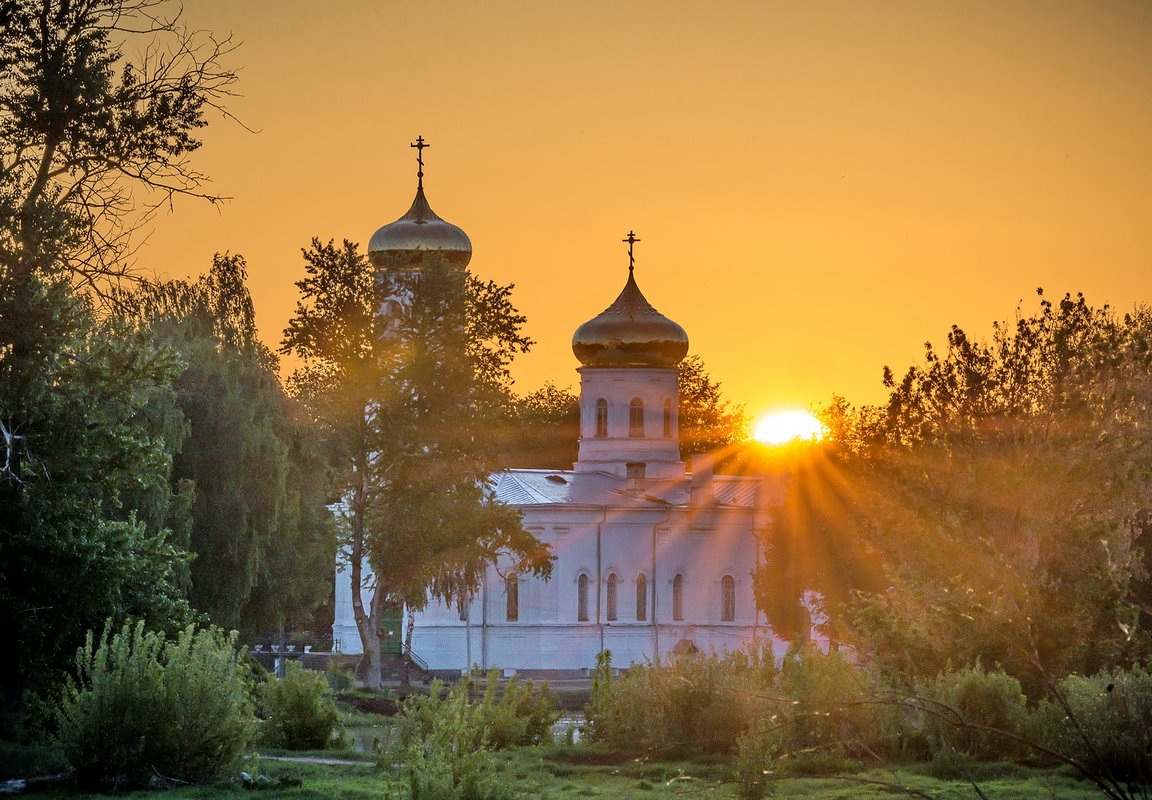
<point x="819" y="187"/>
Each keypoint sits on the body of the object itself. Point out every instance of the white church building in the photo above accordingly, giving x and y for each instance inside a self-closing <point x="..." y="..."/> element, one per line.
<point x="652" y="560"/>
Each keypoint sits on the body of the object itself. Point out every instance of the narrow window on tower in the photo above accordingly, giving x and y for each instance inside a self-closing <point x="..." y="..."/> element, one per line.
<point x="641" y="597"/>
<point x="601" y="418"/>
<point x="728" y="602"/>
<point x="582" y="597"/>
<point x="667" y="419"/>
<point x="610" y="597"/>
<point x="678" y="597"/>
<point x="636" y="417"/>
<point x="512" y="598"/>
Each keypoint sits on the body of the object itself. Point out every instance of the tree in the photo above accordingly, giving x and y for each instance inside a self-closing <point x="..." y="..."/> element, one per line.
<point x="90" y="526"/>
<point x="260" y="532"/>
<point x="543" y="429"/>
<point x="91" y="144"/>
<point x="1006" y="487"/>
<point x="708" y="422"/>
<point x="408" y="401"/>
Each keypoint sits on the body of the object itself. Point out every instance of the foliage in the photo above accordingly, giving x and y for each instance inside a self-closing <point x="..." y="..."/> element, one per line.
<point x="694" y="705"/>
<point x="91" y="143"/>
<point x="142" y="707"/>
<point x="299" y="710"/>
<point x="1103" y="723"/>
<point x="92" y="527"/>
<point x="975" y="713"/>
<point x="543" y="430"/>
<point x="519" y="713"/>
<point x="260" y="529"/>
<point x="1001" y="497"/>
<point x="443" y="742"/>
<point x="411" y="401"/>
<point x="708" y="422"/>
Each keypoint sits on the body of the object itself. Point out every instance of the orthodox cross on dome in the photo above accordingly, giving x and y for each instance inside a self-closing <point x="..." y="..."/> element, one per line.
<point x="631" y="240"/>
<point x="420" y="144"/>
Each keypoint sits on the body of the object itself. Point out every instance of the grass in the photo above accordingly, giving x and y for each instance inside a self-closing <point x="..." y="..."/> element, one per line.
<point x="585" y="772"/>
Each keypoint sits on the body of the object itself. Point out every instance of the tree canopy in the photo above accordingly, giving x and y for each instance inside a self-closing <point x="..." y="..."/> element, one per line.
<point x="91" y="143"/>
<point x="1003" y="492"/>
<point x="411" y="402"/>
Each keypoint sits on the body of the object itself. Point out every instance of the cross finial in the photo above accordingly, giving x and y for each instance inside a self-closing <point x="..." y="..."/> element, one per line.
<point x="631" y="240"/>
<point x="420" y="144"/>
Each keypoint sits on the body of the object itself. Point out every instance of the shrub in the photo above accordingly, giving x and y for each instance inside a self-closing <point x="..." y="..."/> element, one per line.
<point x="142" y="709"/>
<point x="1109" y="730"/>
<point x="443" y="744"/>
<point x="299" y="710"/>
<point x="970" y="710"/>
<point x="757" y="751"/>
<point x="523" y="715"/>
<point x="698" y="705"/>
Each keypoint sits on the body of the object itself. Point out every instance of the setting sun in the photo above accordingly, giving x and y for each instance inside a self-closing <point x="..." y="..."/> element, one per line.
<point x="787" y="426"/>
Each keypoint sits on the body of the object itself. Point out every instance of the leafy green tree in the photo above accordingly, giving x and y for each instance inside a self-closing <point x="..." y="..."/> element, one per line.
<point x="90" y="527"/>
<point x="1005" y="488"/>
<point x="91" y="143"/>
<point x="408" y="401"/>
<point x="708" y="422"/>
<point x="543" y="429"/>
<point x="260" y="533"/>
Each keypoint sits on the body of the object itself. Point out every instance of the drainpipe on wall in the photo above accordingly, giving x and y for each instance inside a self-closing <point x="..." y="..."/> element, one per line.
<point x="599" y="579"/>
<point x="483" y="623"/>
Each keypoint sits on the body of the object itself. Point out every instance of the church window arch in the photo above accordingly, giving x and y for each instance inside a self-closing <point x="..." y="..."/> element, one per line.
<point x="727" y="599"/>
<point x="668" y="419"/>
<point x="582" y="597"/>
<point x="641" y="597"/>
<point x="636" y="417"/>
<point x="601" y="418"/>
<point x="512" y="597"/>
<point x="678" y="597"/>
<point x="610" y="592"/>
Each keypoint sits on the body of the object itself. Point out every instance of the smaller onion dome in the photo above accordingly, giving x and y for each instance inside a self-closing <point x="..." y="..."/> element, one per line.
<point x="404" y="244"/>
<point x="630" y="333"/>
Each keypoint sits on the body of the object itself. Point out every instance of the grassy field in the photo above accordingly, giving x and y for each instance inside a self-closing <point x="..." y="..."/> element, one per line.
<point x="579" y="772"/>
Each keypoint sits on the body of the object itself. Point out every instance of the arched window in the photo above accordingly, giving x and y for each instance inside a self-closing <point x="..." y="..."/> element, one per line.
<point x="641" y="597"/>
<point x="582" y="597"/>
<point x="636" y="417"/>
<point x="610" y="597"/>
<point x="601" y="418"/>
<point x="512" y="597"/>
<point x="667" y="419"/>
<point x="678" y="597"/>
<point x="728" y="599"/>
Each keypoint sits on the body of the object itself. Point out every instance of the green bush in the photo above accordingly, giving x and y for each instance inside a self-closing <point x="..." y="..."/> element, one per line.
<point x="522" y="715"/>
<point x="1109" y="729"/>
<point x="973" y="713"/>
<point x="142" y="709"/>
<point x="756" y="755"/>
<point x="698" y="705"/>
<point x="299" y="710"/>
<point x="442" y="741"/>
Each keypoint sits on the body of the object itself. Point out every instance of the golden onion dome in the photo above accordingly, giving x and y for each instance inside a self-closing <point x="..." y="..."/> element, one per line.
<point x="630" y="333"/>
<point x="405" y="243"/>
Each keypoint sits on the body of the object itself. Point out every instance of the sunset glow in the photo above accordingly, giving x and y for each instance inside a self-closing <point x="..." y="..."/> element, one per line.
<point x="782" y="427"/>
<point x="922" y="164"/>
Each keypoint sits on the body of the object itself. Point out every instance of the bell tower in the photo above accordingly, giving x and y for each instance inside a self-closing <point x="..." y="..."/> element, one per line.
<point x="629" y="403"/>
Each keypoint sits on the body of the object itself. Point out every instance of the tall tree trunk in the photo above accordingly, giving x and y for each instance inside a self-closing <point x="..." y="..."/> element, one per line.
<point x="411" y="625"/>
<point x="367" y="621"/>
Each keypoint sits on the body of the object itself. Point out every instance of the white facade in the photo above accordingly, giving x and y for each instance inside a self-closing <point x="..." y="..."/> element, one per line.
<point x="650" y="561"/>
